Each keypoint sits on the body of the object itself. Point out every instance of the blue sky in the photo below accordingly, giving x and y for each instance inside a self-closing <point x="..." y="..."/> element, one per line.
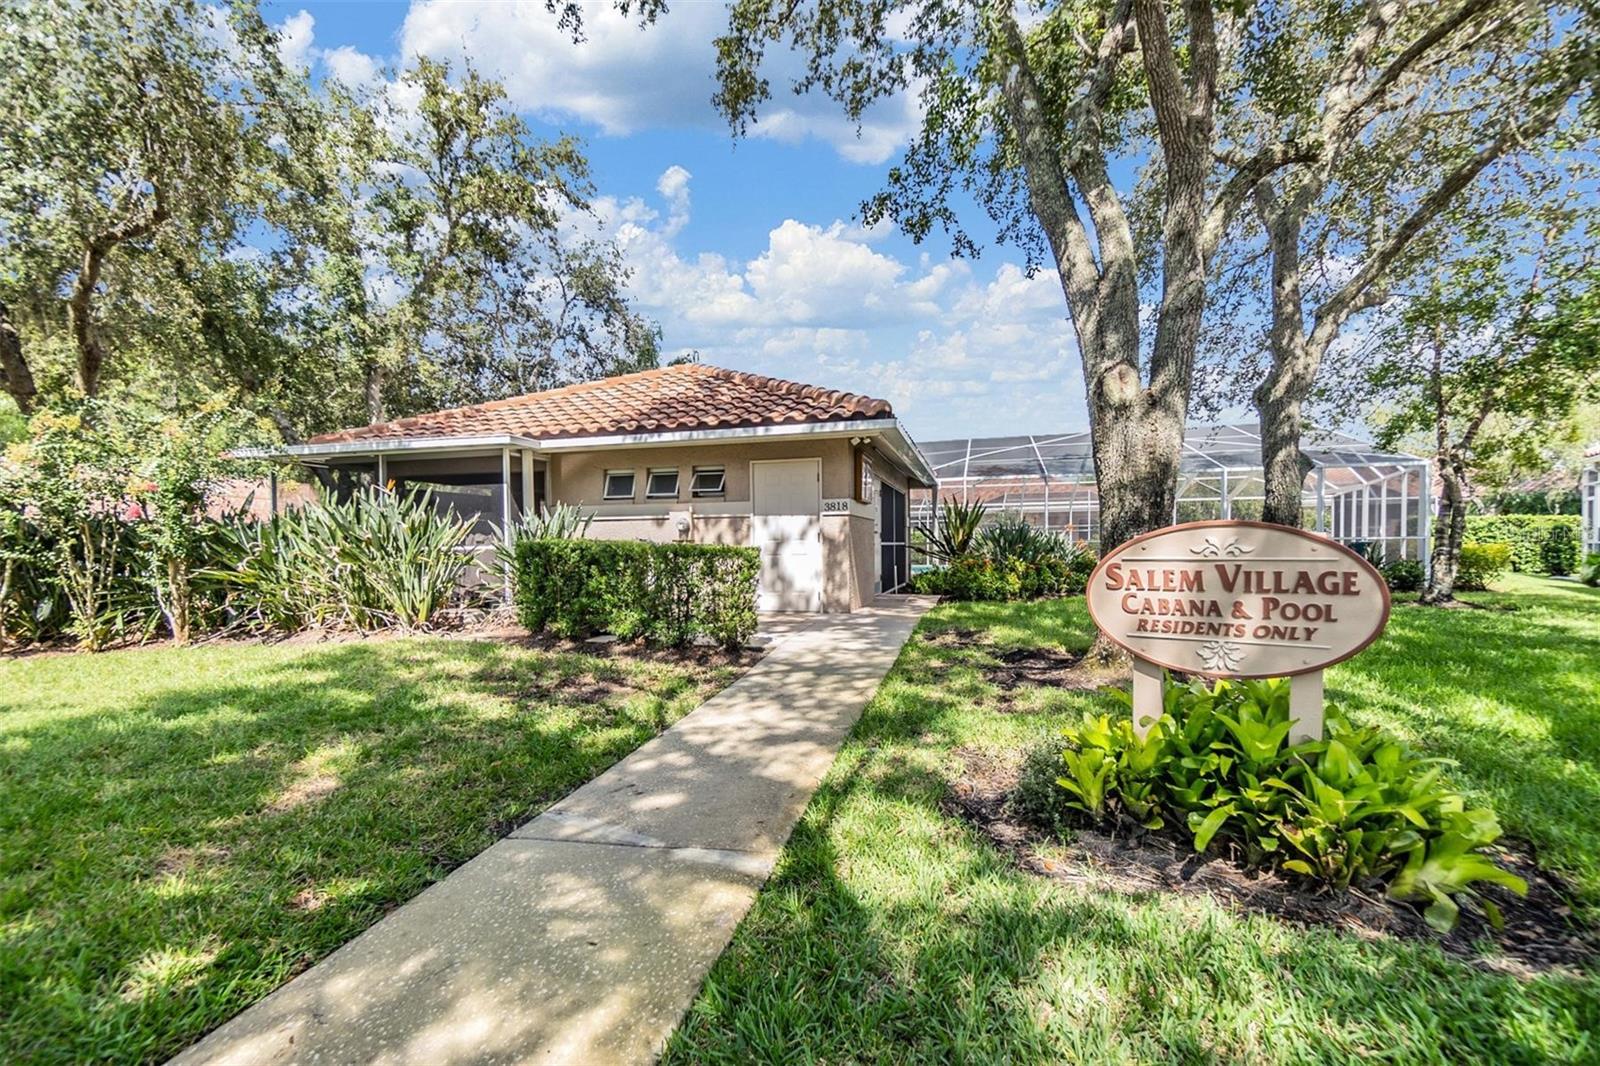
<point x="748" y="252"/>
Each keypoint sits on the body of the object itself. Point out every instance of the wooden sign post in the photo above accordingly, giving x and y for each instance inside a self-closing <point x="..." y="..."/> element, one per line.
<point x="1237" y="599"/>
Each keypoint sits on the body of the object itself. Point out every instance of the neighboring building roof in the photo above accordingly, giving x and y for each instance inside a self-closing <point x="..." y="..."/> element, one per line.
<point x="674" y="398"/>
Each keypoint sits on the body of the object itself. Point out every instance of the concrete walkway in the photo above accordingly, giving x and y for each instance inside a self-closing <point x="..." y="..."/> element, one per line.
<point x="585" y="934"/>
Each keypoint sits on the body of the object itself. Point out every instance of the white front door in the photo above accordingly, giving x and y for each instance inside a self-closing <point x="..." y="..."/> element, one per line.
<point x="786" y="524"/>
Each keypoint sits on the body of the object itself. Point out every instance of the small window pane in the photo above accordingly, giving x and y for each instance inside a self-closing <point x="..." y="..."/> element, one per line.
<point x="663" y="484"/>
<point x="619" y="485"/>
<point x="708" y="481"/>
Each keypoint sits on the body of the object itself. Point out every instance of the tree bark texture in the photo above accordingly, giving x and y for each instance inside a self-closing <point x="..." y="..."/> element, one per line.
<point x="372" y="389"/>
<point x="14" y="364"/>
<point x="80" y="303"/>
<point x="1449" y="527"/>
<point x="1136" y="425"/>
<point x="179" y="597"/>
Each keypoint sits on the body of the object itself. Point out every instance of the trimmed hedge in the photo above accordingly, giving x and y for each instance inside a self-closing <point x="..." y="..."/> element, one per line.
<point x="1527" y="536"/>
<point x="1481" y="564"/>
<point x="666" y="593"/>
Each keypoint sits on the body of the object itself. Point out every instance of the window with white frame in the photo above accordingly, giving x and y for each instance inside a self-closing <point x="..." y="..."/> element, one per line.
<point x="708" y="481"/>
<point x="662" y="485"/>
<point x="619" y="485"/>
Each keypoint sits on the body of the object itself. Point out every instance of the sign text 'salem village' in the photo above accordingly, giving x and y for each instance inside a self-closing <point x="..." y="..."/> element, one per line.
<point x="1238" y="599"/>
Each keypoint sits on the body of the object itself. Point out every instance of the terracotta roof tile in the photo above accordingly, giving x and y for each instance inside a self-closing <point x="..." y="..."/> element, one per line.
<point x="673" y="398"/>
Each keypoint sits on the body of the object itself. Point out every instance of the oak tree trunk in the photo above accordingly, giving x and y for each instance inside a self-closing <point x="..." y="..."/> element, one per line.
<point x="372" y="390"/>
<point x="1137" y="442"/>
<point x="1283" y="465"/>
<point x="1448" y="529"/>
<point x="18" y="376"/>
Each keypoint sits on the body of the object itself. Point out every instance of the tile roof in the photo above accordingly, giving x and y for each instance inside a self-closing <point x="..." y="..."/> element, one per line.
<point x="672" y="398"/>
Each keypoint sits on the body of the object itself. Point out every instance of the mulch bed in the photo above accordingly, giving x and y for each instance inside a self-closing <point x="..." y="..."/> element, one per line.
<point x="1540" y="934"/>
<point x="1016" y="668"/>
<point x="1044" y="666"/>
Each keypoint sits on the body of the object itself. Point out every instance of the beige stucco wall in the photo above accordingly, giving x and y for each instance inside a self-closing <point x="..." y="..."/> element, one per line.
<point x="849" y="543"/>
<point x="579" y="477"/>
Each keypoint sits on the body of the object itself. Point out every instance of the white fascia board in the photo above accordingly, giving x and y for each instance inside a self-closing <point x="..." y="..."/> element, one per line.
<point x="887" y="431"/>
<point x="387" y="446"/>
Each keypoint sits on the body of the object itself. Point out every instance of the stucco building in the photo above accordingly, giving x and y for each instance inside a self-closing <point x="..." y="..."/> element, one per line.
<point x="816" y="478"/>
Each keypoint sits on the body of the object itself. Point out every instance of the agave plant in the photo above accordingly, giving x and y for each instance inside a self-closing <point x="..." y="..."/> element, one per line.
<point x="956" y="533"/>
<point x="403" y="556"/>
<point x="561" y="521"/>
<point x="380" y="559"/>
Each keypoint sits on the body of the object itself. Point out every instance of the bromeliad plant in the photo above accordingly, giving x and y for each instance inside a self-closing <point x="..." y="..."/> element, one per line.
<point x="1356" y="808"/>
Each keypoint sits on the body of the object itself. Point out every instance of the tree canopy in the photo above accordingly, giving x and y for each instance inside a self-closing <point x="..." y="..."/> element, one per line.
<point x="184" y="217"/>
<point x="1131" y="144"/>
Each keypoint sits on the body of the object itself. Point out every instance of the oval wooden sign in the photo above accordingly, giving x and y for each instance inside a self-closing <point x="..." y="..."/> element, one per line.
<point x="1238" y="599"/>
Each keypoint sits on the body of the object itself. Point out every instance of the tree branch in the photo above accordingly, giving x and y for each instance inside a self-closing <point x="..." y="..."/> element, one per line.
<point x="80" y="313"/>
<point x="1401" y="63"/>
<point x="1168" y="97"/>
<point x="1343" y="302"/>
<point x="1046" y="179"/>
<point x="1249" y="174"/>
<point x="1084" y="114"/>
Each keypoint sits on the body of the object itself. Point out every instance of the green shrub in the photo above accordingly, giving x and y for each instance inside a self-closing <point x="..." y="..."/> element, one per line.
<point x="667" y="593"/>
<point x="1403" y="575"/>
<point x="1481" y="564"/>
<point x="1354" y="809"/>
<point x="31" y="608"/>
<point x="1525" y="535"/>
<point x="1011" y="560"/>
<point x="70" y="479"/>
<point x="186" y="462"/>
<point x="1558" y="554"/>
<point x="1589" y="572"/>
<point x="1546" y="501"/>
<point x="562" y="521"/>
<point x="974" y="577"/>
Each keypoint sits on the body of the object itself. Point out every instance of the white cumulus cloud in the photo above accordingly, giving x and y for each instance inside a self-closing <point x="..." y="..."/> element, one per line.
<point x="625" y="77"/>
<point x="957" y="351"/>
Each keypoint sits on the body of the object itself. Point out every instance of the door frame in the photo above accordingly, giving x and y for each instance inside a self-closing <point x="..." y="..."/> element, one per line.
<point x="816" y="460"/>
<point x="902" y="546"/>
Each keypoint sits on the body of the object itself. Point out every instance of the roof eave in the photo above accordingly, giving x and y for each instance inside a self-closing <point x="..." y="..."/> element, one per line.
<point x="894" y="437"/>
<point x="386" y="446"/>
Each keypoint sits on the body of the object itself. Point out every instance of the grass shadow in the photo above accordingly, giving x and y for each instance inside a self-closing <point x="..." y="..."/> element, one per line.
<point x="177" y="843"/>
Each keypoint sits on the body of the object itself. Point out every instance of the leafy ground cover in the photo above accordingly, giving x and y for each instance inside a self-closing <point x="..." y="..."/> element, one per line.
<point x="182" y="830"/>
<point x="893" y="930"/>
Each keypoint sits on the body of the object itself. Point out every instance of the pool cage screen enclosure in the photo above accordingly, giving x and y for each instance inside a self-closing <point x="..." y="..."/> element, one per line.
<point x="1589" y="490"/>
<point x="1355" y="493"/>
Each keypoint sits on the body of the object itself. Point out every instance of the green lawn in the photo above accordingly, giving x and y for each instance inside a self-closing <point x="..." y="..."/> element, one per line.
<point x="893" y="932"/>
<point x="182" y="830"/>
